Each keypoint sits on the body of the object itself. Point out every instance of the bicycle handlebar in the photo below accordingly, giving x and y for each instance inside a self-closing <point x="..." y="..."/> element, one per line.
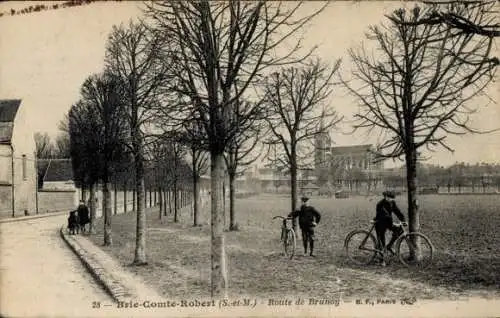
<point x="282" y="217"/>
<point x="397" y="224"/>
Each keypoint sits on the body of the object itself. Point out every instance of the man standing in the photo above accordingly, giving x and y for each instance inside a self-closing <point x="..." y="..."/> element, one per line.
<point x="309" y="217"/>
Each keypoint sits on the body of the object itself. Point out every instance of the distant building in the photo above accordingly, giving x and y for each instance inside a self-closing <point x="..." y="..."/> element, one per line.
<point x="17" y="161"/>
<point x="342" y="161"/>
<point x="274" y="180"/>
<point x="349" y="157"/>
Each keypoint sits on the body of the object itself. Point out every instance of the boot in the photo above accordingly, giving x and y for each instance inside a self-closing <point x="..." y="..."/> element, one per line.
<point x="312" y="248"/>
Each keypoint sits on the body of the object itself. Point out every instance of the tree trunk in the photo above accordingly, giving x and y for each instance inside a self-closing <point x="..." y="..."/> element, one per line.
<point x="134" y="199"/>
<point x="176" y="201"/>
<point x="170" y="202"/>
<point x="413" y="213"/>
<point x="218" y="257"/>
<point x="125" y="197"/>
<point x="183" y="198"/>
<point x="106" y="210"/>
<point x="369" y="186"/>
<point x="140" y="244"/>
<point x="196" y="194"/>
<point x="293" y="186"/>
<point x="165" y="197"/>
<point x="92" y="207"/>
<point x="232" y="218"/>
<point x="115" y="197"/>
<point x="224" y="201"/>
<point x="160" y="201"/>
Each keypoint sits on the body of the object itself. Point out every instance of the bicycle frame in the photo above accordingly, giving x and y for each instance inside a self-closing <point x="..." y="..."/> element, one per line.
<point x="284" y="225"/>
<point x="362" y="245"/>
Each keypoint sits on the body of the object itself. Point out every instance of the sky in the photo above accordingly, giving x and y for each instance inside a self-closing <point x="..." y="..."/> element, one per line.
<point x="45" y="57"/>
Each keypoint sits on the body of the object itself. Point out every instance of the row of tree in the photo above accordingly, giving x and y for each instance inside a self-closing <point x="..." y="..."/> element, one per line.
<point x="206" y="77"/>
<point x="458" y="175"/>
<point x="46" y="148"/>
<point x="166" y="91"/>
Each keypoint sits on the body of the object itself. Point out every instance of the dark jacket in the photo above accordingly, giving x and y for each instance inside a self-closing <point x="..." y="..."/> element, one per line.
<point x="385" y="209"/>
<point x="83" y="214"/>
<point x="307" y="215"/>
<point x="72" y="220"/>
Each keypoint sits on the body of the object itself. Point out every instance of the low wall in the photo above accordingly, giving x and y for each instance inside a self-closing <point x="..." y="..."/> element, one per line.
<point x="58" y="200"/>
<point x="54" y="201"/>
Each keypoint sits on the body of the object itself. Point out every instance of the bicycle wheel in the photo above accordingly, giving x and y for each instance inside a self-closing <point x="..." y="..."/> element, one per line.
<point x="415" y="250"/>
<point x="289" y="243"/>
<point x="361" y="247"/>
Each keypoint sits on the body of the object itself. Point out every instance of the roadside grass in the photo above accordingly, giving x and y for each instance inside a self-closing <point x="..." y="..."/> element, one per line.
<point x="463" y="230"/>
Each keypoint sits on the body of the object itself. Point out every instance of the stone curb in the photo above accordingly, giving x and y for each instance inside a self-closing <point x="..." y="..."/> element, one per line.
<point x="31" y="217"/>
<point x="111" y="285"/>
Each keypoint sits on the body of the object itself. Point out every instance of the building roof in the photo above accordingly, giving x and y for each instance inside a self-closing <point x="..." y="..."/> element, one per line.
<point x="310" y="185"/>
<point x="351" y="149"/>
<point x="8" y="111"/>
<point x="59" y="170"/>
<point x="6" y="132"/>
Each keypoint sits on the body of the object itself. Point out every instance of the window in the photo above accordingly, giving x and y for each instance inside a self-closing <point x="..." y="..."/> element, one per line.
<point x="25" y="176"/>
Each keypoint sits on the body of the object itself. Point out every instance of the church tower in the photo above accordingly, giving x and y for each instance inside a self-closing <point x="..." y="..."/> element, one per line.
<point x="322" y="148"/>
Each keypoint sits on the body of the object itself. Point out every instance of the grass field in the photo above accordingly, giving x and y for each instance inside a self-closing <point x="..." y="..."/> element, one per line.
<point x="463" y="229"/>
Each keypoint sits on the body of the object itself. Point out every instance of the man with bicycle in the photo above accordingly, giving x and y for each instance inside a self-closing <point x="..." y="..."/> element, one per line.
<point x="384" y="222"/>
<point x="309" y="217"/>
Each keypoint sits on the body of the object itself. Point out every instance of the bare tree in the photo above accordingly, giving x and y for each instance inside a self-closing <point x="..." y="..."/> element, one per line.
<point x="296" y="99"/>
<point x="102" y="95"/>
<point x="466" y="17"/>
<point x="241" y="152"/>
<point x="62" y="144"/>
<point x="418" y="89"/>
<point x="176" y="153"/>
<point x="82" y="127"/>
<point x="210" y="45"/>
<point x="44" y="146"/>
<point x="193" y="138"/>
<point x="199" y="167"/>
<point x="132" y="55"/>
<point x="158" y="156"/>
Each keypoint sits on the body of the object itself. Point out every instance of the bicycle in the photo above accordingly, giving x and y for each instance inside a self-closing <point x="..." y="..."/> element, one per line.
<point x="407" y="245"/>
<point x="287" y="236"/>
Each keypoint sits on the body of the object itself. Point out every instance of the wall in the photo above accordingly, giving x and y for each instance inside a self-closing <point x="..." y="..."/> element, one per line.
<point x="24" y="144"/>
<point x="59" y="185"/>
<point x="5" y="201"/>
<point x="5" y="182"/>
<point x="24" y="186"/>
<point x="5" y="164"/>
<point x="55" y="201"/>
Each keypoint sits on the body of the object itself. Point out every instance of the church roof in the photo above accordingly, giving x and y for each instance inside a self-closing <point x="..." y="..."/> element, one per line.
<point x="351" y="149"/>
